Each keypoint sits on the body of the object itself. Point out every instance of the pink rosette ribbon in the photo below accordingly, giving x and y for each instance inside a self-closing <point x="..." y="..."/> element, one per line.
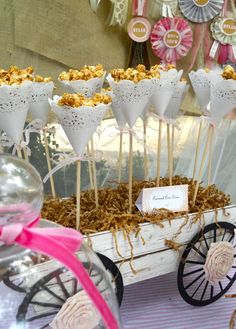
<point x="60" y="244"/>
<point x="171" y="39"/>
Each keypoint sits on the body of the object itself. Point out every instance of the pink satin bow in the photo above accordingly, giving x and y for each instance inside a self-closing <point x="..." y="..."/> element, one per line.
<point x="60" y="244"/>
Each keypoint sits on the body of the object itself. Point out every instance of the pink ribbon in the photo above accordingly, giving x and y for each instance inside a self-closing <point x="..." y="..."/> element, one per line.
<point x="60" y="244"/>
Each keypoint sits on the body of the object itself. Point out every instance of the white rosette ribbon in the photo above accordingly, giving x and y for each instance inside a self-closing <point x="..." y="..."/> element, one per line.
<point x="133" y="97"/>
<point x="85" y="87"/>
<point x="39" y="106"/>
<point x="14" y="106"/>
<point x="219" y="261"/>
<point x="78" y="312"/>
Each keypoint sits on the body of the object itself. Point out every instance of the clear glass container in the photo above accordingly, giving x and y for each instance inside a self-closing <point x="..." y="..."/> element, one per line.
<point x="38" y="293"/>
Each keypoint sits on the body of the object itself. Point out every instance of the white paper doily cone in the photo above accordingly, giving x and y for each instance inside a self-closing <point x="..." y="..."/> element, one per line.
<point x="133" y="97"/>
<point x="85" y="87"/>
<point x="117" y="110"/>
<point x="39" y="106"/>
<point x="201" y="82"/>
<point x="163" y="90"/>
<point x="14" y="106"/>
<point x="177" y="98"/>
<point x="79" y="123"/>
<point x="223" y="99"/>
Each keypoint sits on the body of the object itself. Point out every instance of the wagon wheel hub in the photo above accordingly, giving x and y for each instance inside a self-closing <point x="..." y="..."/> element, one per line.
<point x="219" y="260"/>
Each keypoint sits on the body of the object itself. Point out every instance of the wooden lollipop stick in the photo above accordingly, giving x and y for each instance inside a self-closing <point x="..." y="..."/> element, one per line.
<point x="145" y="159"/>
<point x="197" y="151"/>
<point x="159" y="154"/>
<point x="18" y="151"/>
<point x="25" y="154"/>
<point x="78" y="193"/>
<point x="210" y="158"/>
<point x="94" y="174"/>
<point x="49" y="164"/>
<point x="90" y="169"/>
<point x="202" y="164"/>
<point x="172" y="152"/>
<point x="130" y="171"/>
<point x="120" y="158"/>
<point x="169" y="153"/>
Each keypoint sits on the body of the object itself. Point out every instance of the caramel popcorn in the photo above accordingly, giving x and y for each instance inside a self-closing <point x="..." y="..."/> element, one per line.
<point x="85" y="73"/>
<point x="15" y="75"/>
<point x="77" y="100"/>
<point x="133" y="74"/>
<point x="229" y="73"/>
<point x="39" y="78"/>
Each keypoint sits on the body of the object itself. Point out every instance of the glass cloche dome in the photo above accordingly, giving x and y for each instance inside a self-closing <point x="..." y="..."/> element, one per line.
<point x="38" y="291"/>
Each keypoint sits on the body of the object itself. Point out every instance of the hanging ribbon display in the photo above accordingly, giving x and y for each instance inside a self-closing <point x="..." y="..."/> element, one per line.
<point x="118" y="13"/>
<point x="224" y="34"/>
<point x="139" y="8"/>
<point x="171" y="39"/>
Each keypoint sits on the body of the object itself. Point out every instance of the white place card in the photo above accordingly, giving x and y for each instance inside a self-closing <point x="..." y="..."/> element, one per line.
<point x="174" y="198"/>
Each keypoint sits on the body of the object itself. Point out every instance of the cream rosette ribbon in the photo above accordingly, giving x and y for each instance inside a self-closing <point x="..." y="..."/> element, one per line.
<point x="85" y="87"/>
<point x="219" y="261"/>
<point x="77" y="313"/>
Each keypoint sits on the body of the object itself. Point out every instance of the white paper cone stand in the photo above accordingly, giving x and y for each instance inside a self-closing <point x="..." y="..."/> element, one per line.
<point x="90" y="169"/>
<point x="94" y="173"/>
<point x="120" y="158"/>
<point x="159" y="154"/>
<point x="197" y="151"/>
<point x="133" y="98"/>
<point x="14" y="101"/>
<point x="85" y="87"/>
<point x="145" y="157"/>
<point x="79" y="125"/>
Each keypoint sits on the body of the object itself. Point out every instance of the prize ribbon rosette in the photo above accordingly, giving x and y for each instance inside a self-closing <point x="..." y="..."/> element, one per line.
<point x="200" y="11"/>
<point x="224" y="33"/>
<point x="171" y="39"/>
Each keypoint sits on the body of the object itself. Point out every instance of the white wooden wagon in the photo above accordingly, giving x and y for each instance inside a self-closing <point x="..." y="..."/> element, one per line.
<point x="154" y="258"/>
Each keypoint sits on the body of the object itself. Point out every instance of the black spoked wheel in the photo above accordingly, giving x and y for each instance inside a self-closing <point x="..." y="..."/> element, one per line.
<point x="194" y="288"/>
<point x="116" y="276"/>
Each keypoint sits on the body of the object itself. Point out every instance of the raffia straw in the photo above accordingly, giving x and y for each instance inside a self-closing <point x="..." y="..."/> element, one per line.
<point x="90" y="169"/>
<point x="94" y="174"/>
<point x="120" y="158"/>
<point x="78" y="190"/>
<point x="130" y="170"/>
<point x="49" y="164"/>
<point x="202" y="164"/>
<point x="210" y="158"/>
<point x="145" y="159"/>
<point x="197" y="151"/>
<point x="159" y="155"/>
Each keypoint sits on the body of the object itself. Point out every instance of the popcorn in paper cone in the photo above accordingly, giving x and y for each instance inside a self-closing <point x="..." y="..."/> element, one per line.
<point x="116" y="109"/>
<point x="134" y="97"/>
<point x="79" y="123"/>
<point x="223" y="99"/>
<point x="39" y="106"/>
<point x="180" y="90"/>
<point x="201" y="81"/>
<point x="14" y="105"/>
<point x="164" y="89"/>
<point x="87" y="81"/>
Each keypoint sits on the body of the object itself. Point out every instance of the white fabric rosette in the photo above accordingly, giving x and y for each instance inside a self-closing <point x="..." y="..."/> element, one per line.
<point x="180" y="90"/>
<point x="79" y="123"/>
<point x="85" y="87"/>
<point x="39" y="106"/>
<point x="133" y="97"/>
<point x="163" y="89"/>
<point x="14" y="106"/>
<point x="223" y="99"/>
<point x="78" y="312"/>
<point x="219" y="261"/>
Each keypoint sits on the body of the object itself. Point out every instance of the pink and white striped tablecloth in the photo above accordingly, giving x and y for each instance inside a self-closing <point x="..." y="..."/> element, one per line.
<point x="156" y="304"/>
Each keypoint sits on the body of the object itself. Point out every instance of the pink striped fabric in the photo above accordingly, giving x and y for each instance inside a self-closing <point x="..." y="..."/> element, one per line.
<point x="156" y="304"/>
